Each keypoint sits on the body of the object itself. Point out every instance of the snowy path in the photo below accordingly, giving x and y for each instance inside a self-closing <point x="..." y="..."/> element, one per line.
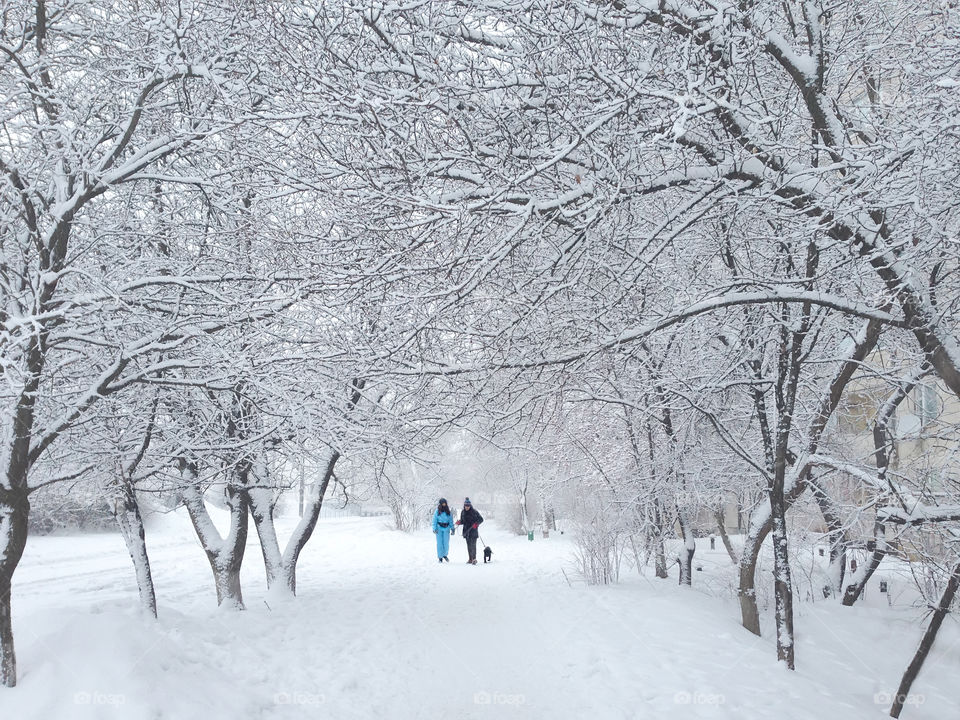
<point x="381" y="631"/>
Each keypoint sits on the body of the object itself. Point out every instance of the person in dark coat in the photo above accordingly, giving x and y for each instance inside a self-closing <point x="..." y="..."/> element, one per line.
<point x="470" y="520"/>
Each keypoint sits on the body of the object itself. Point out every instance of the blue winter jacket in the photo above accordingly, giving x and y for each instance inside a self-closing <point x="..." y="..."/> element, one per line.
<point x="439" y="519"/>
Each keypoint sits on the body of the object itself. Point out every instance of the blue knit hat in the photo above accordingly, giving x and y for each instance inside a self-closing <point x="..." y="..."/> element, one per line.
<point x="466" y="501"/>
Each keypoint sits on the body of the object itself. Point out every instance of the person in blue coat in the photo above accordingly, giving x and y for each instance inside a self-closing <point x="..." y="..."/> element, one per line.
<point x="443" y="529"/>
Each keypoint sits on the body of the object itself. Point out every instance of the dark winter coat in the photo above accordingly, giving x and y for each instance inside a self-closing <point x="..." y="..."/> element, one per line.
<point x="469" y="516"/>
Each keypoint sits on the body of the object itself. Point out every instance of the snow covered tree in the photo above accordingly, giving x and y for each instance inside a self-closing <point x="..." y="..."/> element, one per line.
<point x="102" y="100"/>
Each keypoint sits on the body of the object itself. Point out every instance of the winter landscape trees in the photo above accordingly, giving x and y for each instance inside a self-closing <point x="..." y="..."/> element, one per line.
<point x="678" y="267"/>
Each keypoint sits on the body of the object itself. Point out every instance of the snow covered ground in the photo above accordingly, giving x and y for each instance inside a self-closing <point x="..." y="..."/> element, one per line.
<point x="381" y="631"/>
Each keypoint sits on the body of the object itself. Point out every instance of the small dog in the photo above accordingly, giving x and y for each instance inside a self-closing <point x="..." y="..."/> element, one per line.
<point x="487" y="554"/>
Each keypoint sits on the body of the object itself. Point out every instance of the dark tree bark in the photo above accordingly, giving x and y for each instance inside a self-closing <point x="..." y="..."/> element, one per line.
<point x="760" y="527"/>
<point x="761" y="522"/>
<point x="926" y="643"/>
<point x="14" y="495"/>
<point x="722" y="530"/>
<point x="861" y="576"/>
<point x="14" y="512"/>
<point x="782" y="584"/>
<point x="656" y="536"/>
<point x="790" y="359"/>
<point x="747" y="589"/>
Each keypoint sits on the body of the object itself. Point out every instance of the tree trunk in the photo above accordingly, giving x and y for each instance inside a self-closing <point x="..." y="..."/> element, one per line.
<point x="859" y="579"/>
<point x="761" y="524"/>
<point x="126" y="511"/>
<point x="722" y="529"/>
<point x="228" y="559"/>
<point x="318" y="489"/>
<point x="882" y="443"/>
<point x="307" y="524"/>
<point x="262" y="504"/>
<point x="659" y="552"/>
<point x="838" y="540"/>
<point x="761" y="521"/>
<point x="14" y="513"/>
<point x="863" y="574"/>
<point x="758" y="529"/>
<point x="685" y="557"/>
<point x="226" y="577"/>
<point x="8" y="656"/>
<point x="747" y="591"/>
<point x="782" y="587"/>
<point x="225" y="555"/>
<point x="660" y="558"/>
<point x="926" y="643"/>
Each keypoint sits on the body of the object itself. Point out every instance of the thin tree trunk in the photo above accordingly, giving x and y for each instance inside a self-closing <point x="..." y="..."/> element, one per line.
<point x="860" y="578"/>
<point x="685" y="557"/>
<point x="749" y="557"/>
<point x="262" y="504"/>
<point x="659" y="552"/>
<point x="308" y="522"/>
<point x="640" y="562"/>
<point x="882" y="437"/>
<point x="14" y="513"/>
<point x="318" y="489"/>
<point x="8" y="656"/>
<point x="722" y="529"/>
<point x="761" y="521"/>
<point x="838" y="540"/>
<point x="15" y="495"/>
<point x="761" y="524"/>
<point x="126" y="511"/>
<point x="926" y="643"/>
<point x="782" y="585"/>
<point x="882" y="442"/>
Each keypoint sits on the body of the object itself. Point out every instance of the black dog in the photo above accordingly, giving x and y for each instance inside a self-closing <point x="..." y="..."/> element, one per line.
<point x="487" y="553"/>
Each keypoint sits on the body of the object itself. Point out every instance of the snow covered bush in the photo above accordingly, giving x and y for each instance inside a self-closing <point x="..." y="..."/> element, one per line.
<point x="599" y="552"/>
<point x="66" y="506"/>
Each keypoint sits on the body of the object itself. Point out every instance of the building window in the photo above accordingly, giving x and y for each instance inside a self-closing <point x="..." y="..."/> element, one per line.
<point x="928" y="404"/>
